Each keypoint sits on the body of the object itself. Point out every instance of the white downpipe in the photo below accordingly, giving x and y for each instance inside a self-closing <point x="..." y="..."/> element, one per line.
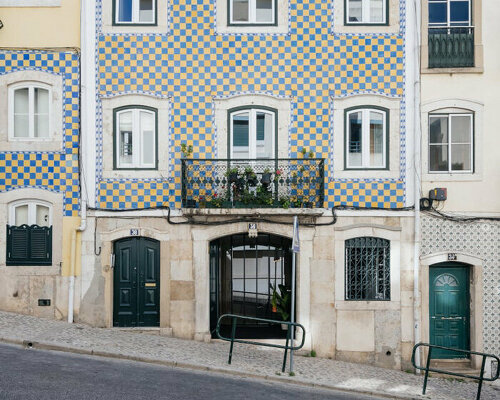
<point x="417" y="303"/>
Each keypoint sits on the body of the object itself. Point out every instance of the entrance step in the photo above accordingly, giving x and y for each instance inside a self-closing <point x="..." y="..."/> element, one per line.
<point x="459" y="366"/>
<point x="148" y="330"/>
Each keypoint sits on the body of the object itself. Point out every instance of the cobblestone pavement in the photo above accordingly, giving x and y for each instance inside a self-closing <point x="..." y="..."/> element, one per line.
<point x="247" y="360"/>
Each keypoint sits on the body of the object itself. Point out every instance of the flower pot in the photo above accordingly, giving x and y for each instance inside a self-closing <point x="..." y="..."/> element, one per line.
<point x="266" y="178"/>
<point x="274" y="309"/>
<point x="233" y="177"/>
<point x="252" y="180"/>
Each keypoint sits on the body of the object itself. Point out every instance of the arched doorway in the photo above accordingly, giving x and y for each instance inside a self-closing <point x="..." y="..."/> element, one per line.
<point x="136" y="282"/>
<point x="449" y="311"/>
<point x="243" y="271"/>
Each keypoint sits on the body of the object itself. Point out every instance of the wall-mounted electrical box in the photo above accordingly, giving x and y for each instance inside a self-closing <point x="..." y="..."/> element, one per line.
<point x="438" y="194"/>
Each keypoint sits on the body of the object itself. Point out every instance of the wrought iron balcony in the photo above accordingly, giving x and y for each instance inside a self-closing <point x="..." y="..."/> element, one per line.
<point x="259" y="183"/>
<point x="451" y="47"/>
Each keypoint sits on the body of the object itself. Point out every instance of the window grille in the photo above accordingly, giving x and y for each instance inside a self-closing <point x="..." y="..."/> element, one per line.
<point x="367" y="269"/>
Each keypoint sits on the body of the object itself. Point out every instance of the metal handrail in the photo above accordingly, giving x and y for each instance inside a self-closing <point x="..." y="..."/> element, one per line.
<point x="232" y="339"/>
<point x="428" y="369"/>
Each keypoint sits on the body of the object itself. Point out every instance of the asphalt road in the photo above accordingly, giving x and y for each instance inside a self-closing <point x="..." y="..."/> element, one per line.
<point x="42" y="375"/>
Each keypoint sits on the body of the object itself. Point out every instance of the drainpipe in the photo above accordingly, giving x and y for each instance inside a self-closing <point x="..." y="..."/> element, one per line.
<point x="83" y="191"/>
<point x="417" y="165"/>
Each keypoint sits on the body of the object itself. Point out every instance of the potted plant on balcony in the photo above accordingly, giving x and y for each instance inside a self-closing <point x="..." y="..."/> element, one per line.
<point x="266" y="177"/>
<point x="251" y="178"/>
<point x="283" y="303"/>
<point x="232" y="175"/>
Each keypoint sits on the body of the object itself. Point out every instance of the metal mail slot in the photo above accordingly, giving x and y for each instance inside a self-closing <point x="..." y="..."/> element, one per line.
<point x="149" y="284"/>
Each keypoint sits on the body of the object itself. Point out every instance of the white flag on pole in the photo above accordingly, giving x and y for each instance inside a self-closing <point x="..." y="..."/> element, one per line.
<point x="296" y="240"/>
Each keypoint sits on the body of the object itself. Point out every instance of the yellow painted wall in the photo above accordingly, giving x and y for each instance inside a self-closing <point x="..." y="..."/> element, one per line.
<point x="69" y="226"/>
<point x="36" y="27"/>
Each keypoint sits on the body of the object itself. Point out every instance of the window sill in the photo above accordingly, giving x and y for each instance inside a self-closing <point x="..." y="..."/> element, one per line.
<point x="447" y="177"/>
<point x="466" y="70"/>
<point x="367" y="305"/>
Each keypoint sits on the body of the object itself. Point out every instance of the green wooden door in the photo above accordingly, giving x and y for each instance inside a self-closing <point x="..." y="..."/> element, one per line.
<point x="136" y="282"/>
<point x="449" y="308"/>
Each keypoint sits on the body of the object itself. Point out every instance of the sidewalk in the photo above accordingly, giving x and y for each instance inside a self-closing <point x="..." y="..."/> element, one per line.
<point x="247" y="360"/>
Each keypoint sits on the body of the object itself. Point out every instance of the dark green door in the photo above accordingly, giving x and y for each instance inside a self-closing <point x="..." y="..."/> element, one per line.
<point x="136" y="282"/>
<point x="449" y="308"/>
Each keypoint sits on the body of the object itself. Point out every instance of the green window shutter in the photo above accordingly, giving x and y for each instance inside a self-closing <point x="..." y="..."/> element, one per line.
<point x="29" y="245"/>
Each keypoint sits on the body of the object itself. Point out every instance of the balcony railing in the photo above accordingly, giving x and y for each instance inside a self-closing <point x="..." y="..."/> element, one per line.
<point x="259" y="183"/>
<point x="451" y="47"/>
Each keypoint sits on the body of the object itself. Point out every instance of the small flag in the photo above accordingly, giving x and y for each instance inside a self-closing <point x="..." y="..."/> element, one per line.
<point x="296" y="240"/>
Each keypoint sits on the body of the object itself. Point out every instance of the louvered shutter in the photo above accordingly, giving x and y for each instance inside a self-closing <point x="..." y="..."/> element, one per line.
<point x="29" y="245"/>
<point x="40" y="249"/>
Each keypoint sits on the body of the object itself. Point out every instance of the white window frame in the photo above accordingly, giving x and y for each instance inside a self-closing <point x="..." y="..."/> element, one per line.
<point x="252" y="130"/>
<point x="447" y="24"/>
<point x="252" y="14"/>
<point x="135" y="14"/>
<point x="450" y="116"/>
<point x="365" y="10"/>
<point x="31" y="86"/>
<point x="137" y="139"/>
<point x="365" y="138"/>
<point x="31" y="211"/>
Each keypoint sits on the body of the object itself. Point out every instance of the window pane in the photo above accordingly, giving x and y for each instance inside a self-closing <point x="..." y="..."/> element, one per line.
<point x="459" y="11"/>
<point x="42" y="215"/>
<point x="240" y="135"/>
<point x="460" y="129"/>
<point x="21" y="110"/>
<point x="437" y="13"/>
<point x="460" y="157"/>
<point x="125" y="10"/>
<point x="264" y="12"/>
<point x="438" y="130"/>
<point x="148" y="140"/>
<point x="240" y="10"/>
<point x="125" y="138"/>
<point x="146" y="11"/>
<point x="376" y="139"/>
<point x="376" y="11"/>
<point x="438" y="158"/>
<point x="355" y="13"/>
<point x="21" y="215"/>
<point x="264" y="124"/>
<point x="41" y="112"/>
<point x="355" y="139"/>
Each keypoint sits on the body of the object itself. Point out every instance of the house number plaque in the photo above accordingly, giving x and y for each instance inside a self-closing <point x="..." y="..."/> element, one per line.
<point x="134" y="232"/>
<point x="452" y="256"/>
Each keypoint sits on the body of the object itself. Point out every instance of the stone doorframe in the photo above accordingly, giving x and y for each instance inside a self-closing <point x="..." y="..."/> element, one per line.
<point x="476" y="298"/>
<point x="202" y="236"/>
<point x="107" y="240"/>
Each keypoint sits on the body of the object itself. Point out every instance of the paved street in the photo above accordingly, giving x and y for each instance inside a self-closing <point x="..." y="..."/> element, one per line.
<point x="248" y="361"/>
<point x="40" y="374"/>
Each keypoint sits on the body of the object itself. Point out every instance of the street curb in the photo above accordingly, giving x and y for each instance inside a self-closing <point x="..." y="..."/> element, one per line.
<point x="184" y="365"/>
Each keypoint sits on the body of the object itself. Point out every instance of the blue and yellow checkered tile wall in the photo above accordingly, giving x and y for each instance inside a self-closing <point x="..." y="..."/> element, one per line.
<point x="193" y="64"/>
<point x="55" y="171"/>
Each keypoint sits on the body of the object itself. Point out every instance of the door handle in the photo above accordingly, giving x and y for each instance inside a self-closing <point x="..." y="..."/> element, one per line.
<point x="451" y="318"/>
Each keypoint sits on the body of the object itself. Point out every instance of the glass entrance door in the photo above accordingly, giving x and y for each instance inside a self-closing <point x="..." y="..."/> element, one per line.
<point x="243" y="272"/>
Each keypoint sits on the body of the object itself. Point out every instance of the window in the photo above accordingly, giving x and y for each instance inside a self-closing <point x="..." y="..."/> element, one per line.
<point x="252" y="12"/>
<point x="367" y="269"/>
<point x="447" y="13"/>
<point x="137" y="12"/>
<point x="252" y="133"/>
<point x="450" y="143"/>
<point x="135" y="138"/>
<point x="29" y="234"/>
<point x="360" y="12"/>
<point x="29" y="114"/>
<point x="366" y="132"/>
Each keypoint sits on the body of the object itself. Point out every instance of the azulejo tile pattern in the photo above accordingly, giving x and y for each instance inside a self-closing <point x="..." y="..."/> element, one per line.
<point x="192" y="64"/>
<point x="53" y="171"/>
<point x="478" y="239"/>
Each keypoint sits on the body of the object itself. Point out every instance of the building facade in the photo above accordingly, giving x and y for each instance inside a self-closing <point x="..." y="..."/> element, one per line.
<point x="458" y="110"/>
<point x="211" y="115"/>
<point x="39" y="160"/>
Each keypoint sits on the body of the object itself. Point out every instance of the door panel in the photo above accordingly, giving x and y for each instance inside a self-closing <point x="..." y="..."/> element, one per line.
<point x="136" y="283"/>
<point x="449" y="308"/>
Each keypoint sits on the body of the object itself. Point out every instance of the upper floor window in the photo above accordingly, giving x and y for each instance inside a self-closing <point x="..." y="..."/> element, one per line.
<point x="362" y="12"/>
<point x="446" y="13"/>
<point x="252" y="132"/>
<point x="29" y="233"/>
<point x="367" y="269"/>
<point x="137" y="12"/>
<point x="252" y="12"/>
<point x="135" y="137"/>
<point x="366" y="138"/>
<point x="451" y="143"/>
<point x="29" y="111"/>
